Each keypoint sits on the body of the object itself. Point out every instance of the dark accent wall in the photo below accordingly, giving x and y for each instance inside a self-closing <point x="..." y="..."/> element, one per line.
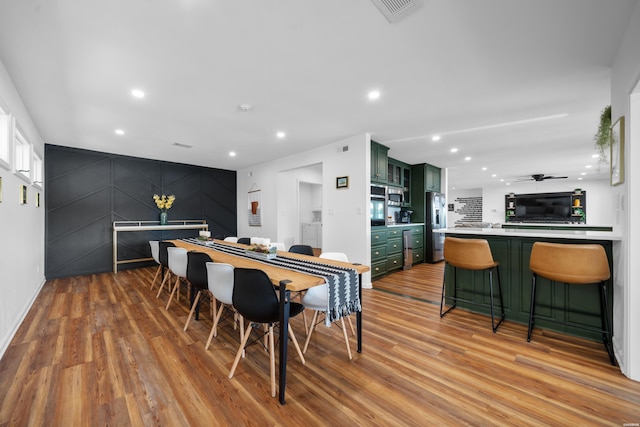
<point x="85" y="191"/>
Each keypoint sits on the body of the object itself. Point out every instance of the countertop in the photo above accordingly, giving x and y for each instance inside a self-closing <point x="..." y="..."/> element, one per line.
<point x="553" y="234"/>
<point x="405" y="224"/>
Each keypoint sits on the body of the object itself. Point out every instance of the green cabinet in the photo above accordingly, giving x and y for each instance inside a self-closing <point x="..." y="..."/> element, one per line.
<point x="394" y="248"/>
<point x="387" y="253"/>
<point x="432" y="178"/>
<point x="378" y="251"/>
<point x="417" y="233"/>
<point x="379" y="162"/>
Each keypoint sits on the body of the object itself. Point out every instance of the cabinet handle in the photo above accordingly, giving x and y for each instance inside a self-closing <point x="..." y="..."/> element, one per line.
<point x="377" y="237"/>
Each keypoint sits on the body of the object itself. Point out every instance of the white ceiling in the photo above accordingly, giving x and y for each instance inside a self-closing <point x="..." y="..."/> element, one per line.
<point x="516" y="85"/>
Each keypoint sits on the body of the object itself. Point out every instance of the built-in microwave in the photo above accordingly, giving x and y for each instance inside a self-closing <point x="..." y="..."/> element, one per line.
<point x="395" y="196"/>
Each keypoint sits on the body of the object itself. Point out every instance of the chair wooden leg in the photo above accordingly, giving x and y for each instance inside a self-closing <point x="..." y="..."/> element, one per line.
<point x="240" y="350"/>
<point x="166" y="277"/>
<point x="193" y="309"/>
<point x="173" y="292"/>
<point x="353" y="331"/>
<point x="346" y="338"/>
<point x="313" y="322"/>
<point x="295" y="344"/>
<point x="272" y="361"/>
<point x="158" y="270"/>
<point x="216" y="321"/>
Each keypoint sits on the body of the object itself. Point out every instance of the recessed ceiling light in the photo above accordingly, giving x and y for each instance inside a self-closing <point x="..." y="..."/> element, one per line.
<point x="493" y="175"/>
<point x="501" y="179"/>
<point x="435" y="138"/>
<point x="579" y="178"/>
<point x="595" y="156"/>
<point x="508" y="183"/>
<point x="119" y="132"/>
<point x="281" y="134"/>
<point x="454" y="150"/>
<point x="588" y="166"/>
<point x="484" y="168"/>
<point x="374" y="94"/>
<point x="583" y="173"/>
<point x="232" y="153"/>
<point x="467" y="158"/>
<point x="137" y="93"/>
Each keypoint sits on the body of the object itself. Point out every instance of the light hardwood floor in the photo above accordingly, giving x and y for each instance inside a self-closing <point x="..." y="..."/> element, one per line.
<point x="101" y="350"/>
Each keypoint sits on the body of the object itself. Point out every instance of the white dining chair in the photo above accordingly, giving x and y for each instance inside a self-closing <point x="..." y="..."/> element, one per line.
<point x="155" y="253"/>
<point x="178" y="265"/>
<point x="220" y="282"/>
<point x="316" y="299"/>
<point x="231" y="239"/>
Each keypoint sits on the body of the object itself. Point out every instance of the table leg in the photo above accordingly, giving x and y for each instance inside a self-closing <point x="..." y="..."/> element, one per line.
<point x="359" y="316"/>
<point x="115" y="250"/>
<point x="284" y="338"/>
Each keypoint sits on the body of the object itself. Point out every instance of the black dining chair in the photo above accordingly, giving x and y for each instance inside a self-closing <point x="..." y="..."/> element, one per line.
<point x="244" y="240"/>
<point x="302" y="249"/>
<point x="197" y="277"/>
<point x="163" y="257"/>
<point x="255" y="299"/>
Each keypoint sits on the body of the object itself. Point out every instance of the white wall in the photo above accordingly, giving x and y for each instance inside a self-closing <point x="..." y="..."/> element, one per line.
<point x="345" y="212"/>
<point x="21" y="228"/>
<point x="625" y="74"/>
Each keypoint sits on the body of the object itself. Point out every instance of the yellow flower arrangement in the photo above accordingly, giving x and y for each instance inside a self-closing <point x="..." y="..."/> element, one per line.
<point x="164" y="202"/>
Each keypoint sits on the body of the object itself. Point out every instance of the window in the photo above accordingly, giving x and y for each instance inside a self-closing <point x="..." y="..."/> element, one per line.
<point x="22" y="155"/>
<point x="5" y="139"/>
<point x="36" y="170"/>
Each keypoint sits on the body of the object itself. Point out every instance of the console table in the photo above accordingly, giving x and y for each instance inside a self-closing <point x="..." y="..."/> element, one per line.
<point x="123" y="226"/>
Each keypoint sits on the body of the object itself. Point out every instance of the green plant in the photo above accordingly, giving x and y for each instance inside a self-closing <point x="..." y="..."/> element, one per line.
<point x="601" y="138"/>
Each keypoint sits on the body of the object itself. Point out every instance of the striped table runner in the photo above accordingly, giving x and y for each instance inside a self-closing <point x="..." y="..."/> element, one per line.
<point x="342" y="282"/>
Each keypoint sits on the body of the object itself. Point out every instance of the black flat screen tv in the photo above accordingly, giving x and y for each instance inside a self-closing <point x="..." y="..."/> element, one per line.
<point x="543" y="207"/>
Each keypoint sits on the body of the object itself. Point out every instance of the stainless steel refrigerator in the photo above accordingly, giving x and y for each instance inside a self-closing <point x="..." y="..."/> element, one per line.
<point x="436" y="218"/>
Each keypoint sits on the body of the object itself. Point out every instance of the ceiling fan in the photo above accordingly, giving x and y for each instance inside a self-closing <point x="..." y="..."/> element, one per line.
<point x="541" y="177"/>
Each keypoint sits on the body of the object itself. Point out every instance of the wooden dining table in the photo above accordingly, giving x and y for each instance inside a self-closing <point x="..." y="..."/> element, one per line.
<point x="287" y="281"/>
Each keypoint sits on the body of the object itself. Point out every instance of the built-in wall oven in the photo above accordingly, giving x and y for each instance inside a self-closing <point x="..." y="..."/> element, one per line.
<point x="378" y="205"/>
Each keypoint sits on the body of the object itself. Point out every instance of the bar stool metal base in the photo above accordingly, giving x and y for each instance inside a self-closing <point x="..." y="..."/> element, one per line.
<point x="455" y="299"/>
<point x="604" y="318"/>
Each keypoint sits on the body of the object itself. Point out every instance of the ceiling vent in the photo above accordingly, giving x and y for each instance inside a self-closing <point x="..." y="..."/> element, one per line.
<point x="395" y="10"/>
<point x="177" y="144"/>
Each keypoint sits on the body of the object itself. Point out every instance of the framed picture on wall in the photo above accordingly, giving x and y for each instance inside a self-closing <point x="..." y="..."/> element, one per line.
<point x="342" y="182"/>
<point x="617" y="152"/>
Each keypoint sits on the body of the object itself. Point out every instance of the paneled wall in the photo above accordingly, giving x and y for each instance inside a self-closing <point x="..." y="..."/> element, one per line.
<point x="86" y="191"/>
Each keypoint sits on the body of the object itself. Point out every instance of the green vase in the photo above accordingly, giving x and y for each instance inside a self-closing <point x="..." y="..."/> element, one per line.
<point x="163" y="218"/>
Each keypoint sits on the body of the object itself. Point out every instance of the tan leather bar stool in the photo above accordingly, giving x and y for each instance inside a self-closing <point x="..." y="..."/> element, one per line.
<point x="470" y="254"/>
<point x="580" y="264"/>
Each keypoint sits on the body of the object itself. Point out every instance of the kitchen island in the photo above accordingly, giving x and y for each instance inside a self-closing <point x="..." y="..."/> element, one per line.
<point x="511" y="247"/>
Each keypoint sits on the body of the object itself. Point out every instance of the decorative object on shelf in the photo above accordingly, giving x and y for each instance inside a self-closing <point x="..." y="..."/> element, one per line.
<point x="617" y="152"/>
<point x="164" y="203"/>
<point x="254" y="207"/>
<point x="601" y="138"/>
<point x="342" y="182"/>
<point x="261" y="251"/>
